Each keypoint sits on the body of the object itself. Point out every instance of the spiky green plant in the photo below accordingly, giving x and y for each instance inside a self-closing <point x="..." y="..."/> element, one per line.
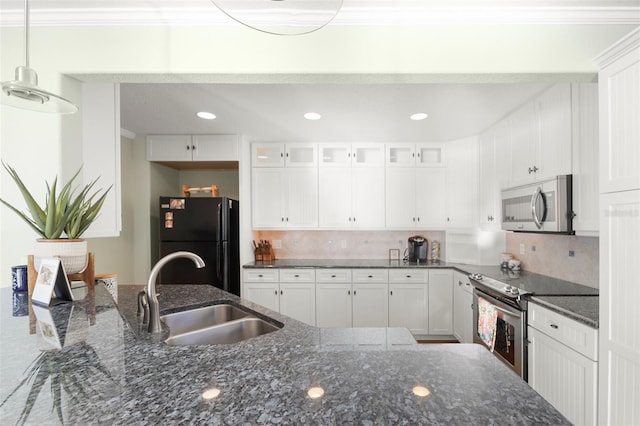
<point x="66" y="211"/>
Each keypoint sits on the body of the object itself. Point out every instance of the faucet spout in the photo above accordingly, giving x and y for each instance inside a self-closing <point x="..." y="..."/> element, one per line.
<point x="154" y="306"/>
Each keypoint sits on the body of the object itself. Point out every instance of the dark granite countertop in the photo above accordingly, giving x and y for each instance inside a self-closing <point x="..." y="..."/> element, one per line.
<point x="584" y="309"/>
<point x="107" y="373"/>
<point x="547" y="290"/>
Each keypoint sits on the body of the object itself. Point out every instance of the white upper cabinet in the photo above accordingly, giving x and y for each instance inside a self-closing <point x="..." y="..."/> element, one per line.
<point x="415" y="186"/>
<point x="169" y="148"/>
<point x="585" y="158"/>
<point x="215" y="147"/>
<point x="425" y="154"/>
<point x="495" y="173"/>
<point x="284" y="198"/>
<point x="192" y="147"/>
<point x="619" y="87"/>
<point x="284" y="186"/>
<point x="351" y="186"/>
<point x="284" y="155"/>
<point x="462" y="183"/>
<point x="541" y="136"/>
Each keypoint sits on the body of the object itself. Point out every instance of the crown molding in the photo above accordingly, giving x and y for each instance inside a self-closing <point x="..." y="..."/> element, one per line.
<point x="69" y="13"/>
<point x="621" y="48"/>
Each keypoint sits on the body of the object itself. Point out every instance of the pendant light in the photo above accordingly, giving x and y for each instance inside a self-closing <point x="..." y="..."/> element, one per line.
<point x="23" y="92"/>
<point x="281" y="17"/>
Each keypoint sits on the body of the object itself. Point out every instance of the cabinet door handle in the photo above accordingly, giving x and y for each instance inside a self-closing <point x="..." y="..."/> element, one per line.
<point x="354" y="292"/>
<point x="281" y="155"/>
<point x="349" y="292"/>
<point x="391" y="292"/>
<point x="414" y="219"/>
<point x="297" y="276"/>
<point x="370" y="276"/>
<point x="333" y="276"/>
<point x="354" y="219"/>
<point x="188" y="147"/>
<point x="349" y="219"/>
<point x="282" y="219"/>
<point x="193" y="147"/>
<point x="281" y="292"/>
<point x="260" y="276"/>
<point x="459" y="282"/>
<point x="408" y="276"/>
<point x="554" y="326"/>
<point x="418" y="218"/>
<point x="276" y="292"/>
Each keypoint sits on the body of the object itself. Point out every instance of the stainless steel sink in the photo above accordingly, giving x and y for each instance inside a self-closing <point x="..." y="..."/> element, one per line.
<point x="199" y="318"/>
<point x="230" y="332"/>
<point x="216" y="324"/>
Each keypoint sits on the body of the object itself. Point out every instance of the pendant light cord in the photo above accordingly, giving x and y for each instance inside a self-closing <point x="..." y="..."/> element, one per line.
<point x="26" y="33"/>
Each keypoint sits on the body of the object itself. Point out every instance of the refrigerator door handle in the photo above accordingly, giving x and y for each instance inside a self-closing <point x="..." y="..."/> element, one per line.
<point x="219" y="223"/>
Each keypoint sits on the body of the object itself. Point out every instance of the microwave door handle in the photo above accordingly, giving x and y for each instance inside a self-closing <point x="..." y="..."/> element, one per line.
<point x="534" y="213"/>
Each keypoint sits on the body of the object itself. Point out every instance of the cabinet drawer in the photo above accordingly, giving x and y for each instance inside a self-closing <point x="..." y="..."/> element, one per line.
<point x="370" y="276"/>
<point x="261" y="275"/>
<point x="579" y="337"/>
<point x="408" y="276"/>
<point x="333" y="275"/>
<point x="298" y="275"/>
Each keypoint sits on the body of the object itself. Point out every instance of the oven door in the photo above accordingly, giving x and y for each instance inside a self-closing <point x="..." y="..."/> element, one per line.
<point x="510" y="333"/>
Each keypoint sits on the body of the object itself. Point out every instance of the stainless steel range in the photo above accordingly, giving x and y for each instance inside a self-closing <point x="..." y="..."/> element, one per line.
<point x="510" y="304"/>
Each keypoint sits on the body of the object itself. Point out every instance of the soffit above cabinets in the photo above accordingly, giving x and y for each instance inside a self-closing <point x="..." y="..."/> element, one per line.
<point x="353" y="12"/>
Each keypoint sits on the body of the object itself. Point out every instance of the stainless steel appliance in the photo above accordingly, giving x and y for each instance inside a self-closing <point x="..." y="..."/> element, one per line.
<point x="511" y="324"/>
<point x="208" y="227"/>
<point x="417" y="248"/>
<point x="539" y="207"/>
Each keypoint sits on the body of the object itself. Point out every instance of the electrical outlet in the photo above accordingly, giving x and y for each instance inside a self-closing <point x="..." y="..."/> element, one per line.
<point x="572" y="253"/>
<point x="295" y="242"/>
<point x="522" y="251"/>
<point x="277" y="244"/>
<point x="533" y="248"/>
<point x="343" y="244"/>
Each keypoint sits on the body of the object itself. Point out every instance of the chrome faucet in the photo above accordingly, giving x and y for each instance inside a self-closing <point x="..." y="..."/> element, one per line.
<point x="152" y="298"/>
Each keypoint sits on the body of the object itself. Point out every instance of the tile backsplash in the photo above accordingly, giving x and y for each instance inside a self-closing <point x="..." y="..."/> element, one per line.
<point x="567" y="257"/>
<point x="343" y="244"/>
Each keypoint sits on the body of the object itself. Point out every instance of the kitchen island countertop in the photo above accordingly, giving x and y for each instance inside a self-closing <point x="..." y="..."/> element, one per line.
<point x="110" y="372"/>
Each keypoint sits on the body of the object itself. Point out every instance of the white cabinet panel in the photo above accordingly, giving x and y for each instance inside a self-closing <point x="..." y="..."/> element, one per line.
<point x="461" y="184"/>
<point x="261" y="275"/>
<point x="462" y="308"/>
<point x="619" y="85"/>
<point x="334" y="194"/>
<point x="370" y="305"/>
<point x="215" y="147"/>
<point x="554" y="138"/>
<point x="441" y="302"/>
<point x="585" y="157"/>
<point x="400" y="197"/>
<point x="301" y="191"/>
<point x="301" y="155"/>
<point x="400" y="155"/>
<point x="408" y="307"/>
<point x="265" y="294"/>
<point x="565" y="378"/>
<point x="267" y="155"/>
<point x="333" y="304"/>
<point x="169" y="148"/>
<point x="298" y="301"/>
<point x="431" y="197"/>
<point x="523" y="143"/>
<point x="333" y="275"/>
<point x="268" y="197"/>
<point x="368" y="199"/>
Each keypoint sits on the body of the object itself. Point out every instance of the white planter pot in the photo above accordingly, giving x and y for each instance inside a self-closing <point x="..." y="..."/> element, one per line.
<point x="73" y="253"/>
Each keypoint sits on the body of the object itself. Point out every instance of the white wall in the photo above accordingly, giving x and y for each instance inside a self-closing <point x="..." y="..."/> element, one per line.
<point x="226" y="180"/>
<point x="41" y="145"/>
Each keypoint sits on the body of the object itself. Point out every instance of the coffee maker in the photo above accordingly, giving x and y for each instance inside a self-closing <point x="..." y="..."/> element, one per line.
<point x="417" y="249"/>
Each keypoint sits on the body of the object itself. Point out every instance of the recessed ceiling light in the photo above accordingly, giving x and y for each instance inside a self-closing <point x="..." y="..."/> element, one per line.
<point x="312" y="116"/>
<point x="418" y="116"/>
<point x="206" y="115"/>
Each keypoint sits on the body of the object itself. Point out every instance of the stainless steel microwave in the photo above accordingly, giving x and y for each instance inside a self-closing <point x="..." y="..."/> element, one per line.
<point x="544" y="206"/>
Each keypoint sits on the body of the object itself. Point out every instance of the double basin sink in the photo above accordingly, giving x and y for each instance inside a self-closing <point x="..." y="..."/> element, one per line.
<point x="215" y="324"/>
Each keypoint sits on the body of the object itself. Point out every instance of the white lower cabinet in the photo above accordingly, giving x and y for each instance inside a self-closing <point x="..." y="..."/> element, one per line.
<point x="408" y="295"/>
<point x="362" y="301"/>
<point x="440" y="302"/>
<point x="563" y="365"/>
<point x="288" y="291"/>
<point x="462" y="308"/>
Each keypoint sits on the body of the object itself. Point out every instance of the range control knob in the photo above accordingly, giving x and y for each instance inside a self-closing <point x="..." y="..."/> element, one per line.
<point x="476" y="276"/>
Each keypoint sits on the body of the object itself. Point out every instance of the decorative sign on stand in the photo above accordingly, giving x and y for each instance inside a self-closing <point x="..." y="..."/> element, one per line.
<point x="51" y="279"/>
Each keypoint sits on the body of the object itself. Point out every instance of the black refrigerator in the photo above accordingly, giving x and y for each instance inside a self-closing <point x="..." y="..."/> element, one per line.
<point x="208" y="227"/>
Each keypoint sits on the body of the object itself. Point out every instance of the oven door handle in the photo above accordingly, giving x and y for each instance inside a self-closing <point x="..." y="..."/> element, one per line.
<point x="504" y="311"/>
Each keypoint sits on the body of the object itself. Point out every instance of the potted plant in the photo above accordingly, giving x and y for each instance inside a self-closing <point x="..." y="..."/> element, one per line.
<point x="61" y="220"/>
